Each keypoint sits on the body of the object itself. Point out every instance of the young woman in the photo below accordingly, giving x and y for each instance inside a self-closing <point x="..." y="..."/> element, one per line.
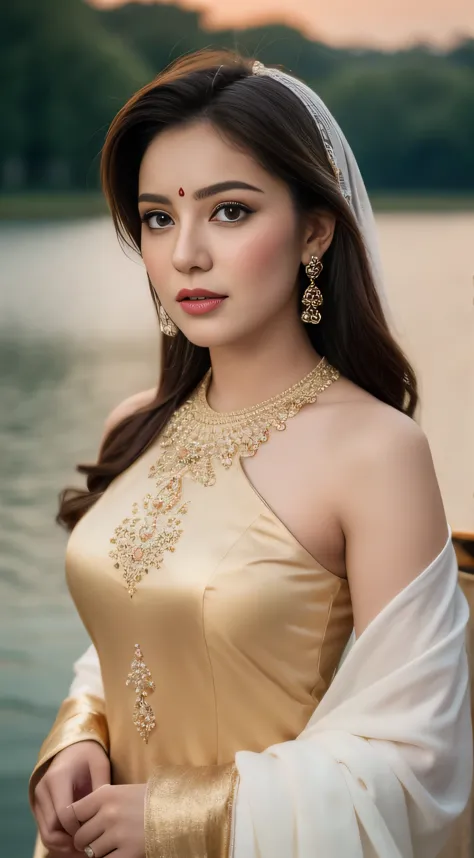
<point x="220" y="564"/>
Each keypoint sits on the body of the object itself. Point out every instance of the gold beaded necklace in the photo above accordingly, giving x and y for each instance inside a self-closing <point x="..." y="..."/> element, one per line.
<point x="197" y="434"/>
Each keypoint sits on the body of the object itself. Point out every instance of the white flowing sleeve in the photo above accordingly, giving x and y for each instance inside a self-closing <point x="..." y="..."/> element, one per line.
<point x="384" y="766"/>
<point x="87" y="675"/>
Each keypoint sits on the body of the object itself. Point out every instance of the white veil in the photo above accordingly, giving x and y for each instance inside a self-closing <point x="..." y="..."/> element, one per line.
<point x="345" y="167"/>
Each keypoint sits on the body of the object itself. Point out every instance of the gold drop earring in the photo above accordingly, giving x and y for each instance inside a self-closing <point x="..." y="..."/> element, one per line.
<point x="167" y="326"/>
<point x="312" y="298"/>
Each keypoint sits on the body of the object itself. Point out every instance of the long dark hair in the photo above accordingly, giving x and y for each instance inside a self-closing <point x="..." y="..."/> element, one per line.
<point x="264" y="118"/>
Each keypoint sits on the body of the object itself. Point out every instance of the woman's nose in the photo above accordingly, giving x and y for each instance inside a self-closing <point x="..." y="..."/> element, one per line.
<point x="191" y="251"/>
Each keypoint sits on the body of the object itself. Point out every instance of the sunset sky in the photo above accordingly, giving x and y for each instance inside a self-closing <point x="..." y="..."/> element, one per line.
<point x="388" y="23"/>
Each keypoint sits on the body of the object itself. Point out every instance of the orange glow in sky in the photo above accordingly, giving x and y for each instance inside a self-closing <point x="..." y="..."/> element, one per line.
<point x="388" y="23"/>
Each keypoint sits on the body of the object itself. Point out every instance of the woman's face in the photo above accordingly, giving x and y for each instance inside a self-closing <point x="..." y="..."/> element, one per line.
<point x="243" y="242"/>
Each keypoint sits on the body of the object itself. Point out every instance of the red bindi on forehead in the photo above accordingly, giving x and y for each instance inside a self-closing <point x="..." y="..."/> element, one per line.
<point x="181" y="192"/>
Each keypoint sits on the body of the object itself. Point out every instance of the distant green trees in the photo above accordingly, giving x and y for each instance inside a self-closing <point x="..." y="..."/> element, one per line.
<point x="64" y="76"/>
<point x="410" y="121"/>
<point x="66" y="68"/>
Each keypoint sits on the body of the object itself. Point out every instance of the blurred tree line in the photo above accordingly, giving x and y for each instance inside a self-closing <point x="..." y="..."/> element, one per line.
<point x="67" y="67"/>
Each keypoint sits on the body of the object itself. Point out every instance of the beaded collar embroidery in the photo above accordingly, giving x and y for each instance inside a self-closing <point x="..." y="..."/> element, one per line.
<point x="196" y="435"/>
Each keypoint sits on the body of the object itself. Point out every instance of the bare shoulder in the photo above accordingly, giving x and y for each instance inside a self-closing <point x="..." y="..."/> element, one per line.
<point x="350" y="433"/>
<point x="127" y="407"/>
<point x="380" y="448"/>
<point x="368" y="427"/>
<point x="388" y="451"/>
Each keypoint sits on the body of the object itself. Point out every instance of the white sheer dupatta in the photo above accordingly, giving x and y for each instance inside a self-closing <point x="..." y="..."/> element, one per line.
<point x="385" y="763"/>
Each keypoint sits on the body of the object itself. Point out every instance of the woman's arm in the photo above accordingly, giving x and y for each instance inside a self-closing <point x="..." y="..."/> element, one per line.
<point x="81" y="716"/>
<point x="391" y="511"/>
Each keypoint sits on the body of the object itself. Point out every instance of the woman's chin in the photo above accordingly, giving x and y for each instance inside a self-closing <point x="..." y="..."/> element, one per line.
<point x="209" y="336"/>
<point x="207" y="341"/>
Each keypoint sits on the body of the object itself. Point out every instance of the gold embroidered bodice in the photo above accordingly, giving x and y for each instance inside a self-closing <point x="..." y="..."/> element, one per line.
<point x="216" y="630"/>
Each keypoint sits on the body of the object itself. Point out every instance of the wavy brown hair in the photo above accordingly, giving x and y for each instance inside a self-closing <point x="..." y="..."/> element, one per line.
<point x="264" y="118"/>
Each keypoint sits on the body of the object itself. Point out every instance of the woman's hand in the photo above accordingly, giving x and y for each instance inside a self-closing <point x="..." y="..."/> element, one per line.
<point x="112" y="819"/>
<point x="74" y="772"/>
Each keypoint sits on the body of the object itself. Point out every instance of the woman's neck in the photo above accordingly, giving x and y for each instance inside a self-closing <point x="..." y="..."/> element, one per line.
<point x="245" y="374"/>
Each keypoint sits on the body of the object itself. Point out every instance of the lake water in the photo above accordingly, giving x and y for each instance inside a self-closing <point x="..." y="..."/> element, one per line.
<point x="77" y="334"/>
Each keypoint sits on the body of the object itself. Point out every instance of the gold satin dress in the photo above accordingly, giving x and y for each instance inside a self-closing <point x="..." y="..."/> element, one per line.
<point x="241" y="630"/>
<point x="215" y="629"/>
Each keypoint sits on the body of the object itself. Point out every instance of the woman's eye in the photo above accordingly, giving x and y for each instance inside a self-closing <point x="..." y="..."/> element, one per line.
<point x="231" y="212"/>
<point x="157" y="220"/>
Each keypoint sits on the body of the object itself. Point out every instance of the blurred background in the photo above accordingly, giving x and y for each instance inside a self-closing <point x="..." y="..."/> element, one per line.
<point x="77" y="329"/>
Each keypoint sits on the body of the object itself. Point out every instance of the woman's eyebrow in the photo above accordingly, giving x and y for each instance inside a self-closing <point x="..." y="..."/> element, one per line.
<point x="203" y="193"/>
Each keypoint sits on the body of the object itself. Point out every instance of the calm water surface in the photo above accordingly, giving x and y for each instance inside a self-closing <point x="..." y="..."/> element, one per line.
<point x="77" y="334"/>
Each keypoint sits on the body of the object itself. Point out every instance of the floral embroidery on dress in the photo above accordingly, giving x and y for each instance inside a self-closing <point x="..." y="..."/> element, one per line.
<point x="140" y="542"/>
<point x="143" y="715"/>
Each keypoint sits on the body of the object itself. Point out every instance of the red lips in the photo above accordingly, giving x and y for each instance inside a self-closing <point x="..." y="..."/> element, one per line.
<point x="197" y="293"/>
